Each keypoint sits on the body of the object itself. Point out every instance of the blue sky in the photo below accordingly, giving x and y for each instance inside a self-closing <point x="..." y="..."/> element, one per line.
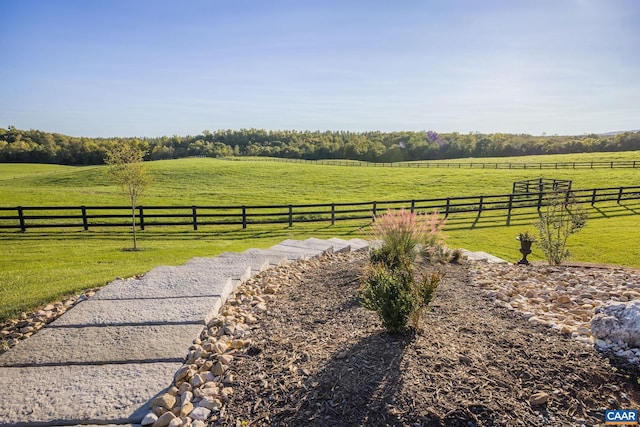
<point x="156" y="67"/>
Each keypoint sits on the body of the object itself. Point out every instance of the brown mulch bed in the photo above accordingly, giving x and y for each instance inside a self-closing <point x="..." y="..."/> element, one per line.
<point x="318" y="358"/>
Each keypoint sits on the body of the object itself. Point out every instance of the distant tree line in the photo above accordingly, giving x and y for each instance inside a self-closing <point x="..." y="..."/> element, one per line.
<point x="36" y="146"/>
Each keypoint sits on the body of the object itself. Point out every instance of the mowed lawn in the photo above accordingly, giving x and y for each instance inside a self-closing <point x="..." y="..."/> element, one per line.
<point x="41" y="265"/>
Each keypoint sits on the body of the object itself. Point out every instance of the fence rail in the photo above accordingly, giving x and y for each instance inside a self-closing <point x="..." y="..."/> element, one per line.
<point x="619" y="164"/>
<point x="86" y="217"/>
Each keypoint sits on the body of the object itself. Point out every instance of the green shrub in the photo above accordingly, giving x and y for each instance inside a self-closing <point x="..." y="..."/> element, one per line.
<point x="397" y="296"/>
<point x="423" y="292"/>
<point x="389" y="293"/>
<point x="390" y="258"/>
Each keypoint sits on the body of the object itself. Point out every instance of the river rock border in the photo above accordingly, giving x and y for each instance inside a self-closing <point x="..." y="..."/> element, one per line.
<point x="563" y="298"/>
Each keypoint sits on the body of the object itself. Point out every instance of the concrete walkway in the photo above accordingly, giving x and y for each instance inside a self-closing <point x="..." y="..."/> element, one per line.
<point x="104" y="361"/>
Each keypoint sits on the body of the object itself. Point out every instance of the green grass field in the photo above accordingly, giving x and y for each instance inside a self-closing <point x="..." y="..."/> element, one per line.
<point x="39" y="266"/>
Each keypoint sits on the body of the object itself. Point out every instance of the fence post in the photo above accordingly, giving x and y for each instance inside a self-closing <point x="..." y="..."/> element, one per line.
<point x="593" y="197"/>
<point x="141" y="215"/>
<point x="333" y="213"/>
<point x="413" y="206"/>
<point x="480" y="205"/>
<point x="375" y="210"/>
<point x="510" y="205"/>
<point x="539" y="200"/>
<point x="85" y="223"/>
<point x="446" y="208"/>
<point x="290" y="216"/>
<point x="194" y="214"/>
<point x="21" y="218"/>
<point x="244" y="217"/>
<point x="620" y="194"/>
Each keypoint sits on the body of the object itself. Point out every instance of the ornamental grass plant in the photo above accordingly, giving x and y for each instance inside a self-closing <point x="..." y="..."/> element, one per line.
<point x="403" y="235"/>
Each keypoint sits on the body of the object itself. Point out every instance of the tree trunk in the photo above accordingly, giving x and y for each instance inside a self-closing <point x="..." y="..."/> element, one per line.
<point x="133" y="223"/>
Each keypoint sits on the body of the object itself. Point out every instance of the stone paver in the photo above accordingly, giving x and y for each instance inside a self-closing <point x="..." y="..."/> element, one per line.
<point x="257" y="261"/>
<point x="304" y="252"/>
<point x="292" y="254"/>
<point x="58" y="395"/>
<point x="314" y="244"/>
<point x="174" y="286"/>
<point x="139" y="312"/>
<point x="102" y="345"/>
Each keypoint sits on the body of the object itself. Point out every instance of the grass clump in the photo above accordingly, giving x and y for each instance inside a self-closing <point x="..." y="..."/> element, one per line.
<point x="391" y="286"/>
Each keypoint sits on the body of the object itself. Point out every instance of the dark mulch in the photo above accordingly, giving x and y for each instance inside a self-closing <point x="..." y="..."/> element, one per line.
<point x="318" y="358"/>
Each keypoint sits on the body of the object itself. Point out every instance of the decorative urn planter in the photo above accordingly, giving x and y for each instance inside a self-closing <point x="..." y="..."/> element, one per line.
<point x="526" y="240"/>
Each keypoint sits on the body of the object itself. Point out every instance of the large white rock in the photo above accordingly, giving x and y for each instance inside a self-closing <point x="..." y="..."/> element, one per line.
<point x="618" y="321"/>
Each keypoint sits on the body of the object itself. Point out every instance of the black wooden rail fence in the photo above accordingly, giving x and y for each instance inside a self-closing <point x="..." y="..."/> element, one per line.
<point x="86" y="217"/>
<point x="616" y="164"/>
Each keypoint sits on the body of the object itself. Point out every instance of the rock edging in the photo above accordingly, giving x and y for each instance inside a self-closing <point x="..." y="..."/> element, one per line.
<point x="563" y="298"/>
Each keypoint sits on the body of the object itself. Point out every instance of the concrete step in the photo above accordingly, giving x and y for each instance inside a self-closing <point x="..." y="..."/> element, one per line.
<point x="101" y="345"/>
<point x="317" y="244"/>
<point x="257" y="261"/>
<point x="132" y="312"/>
<point x="290" y="254"/>
<point x="358" y="244"/>
<point x="299" y="248"/>
<point x="340" y="244"/>
<point x="199" y="277"/>
<point x="334" y="246"/>
<point x="87" y="394"/>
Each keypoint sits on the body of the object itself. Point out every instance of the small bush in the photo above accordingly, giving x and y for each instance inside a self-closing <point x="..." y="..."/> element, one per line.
<point x="456" y="256"/>
<point x="423" y="292"/>
<point x="560" y="218"/>
<point x="389" y="293"/>
<point x="390" y="287"/>
<point x="397" y="296"/>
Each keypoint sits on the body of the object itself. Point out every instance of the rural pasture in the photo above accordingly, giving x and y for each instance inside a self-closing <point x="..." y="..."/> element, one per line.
<point x="41" y="265"/>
